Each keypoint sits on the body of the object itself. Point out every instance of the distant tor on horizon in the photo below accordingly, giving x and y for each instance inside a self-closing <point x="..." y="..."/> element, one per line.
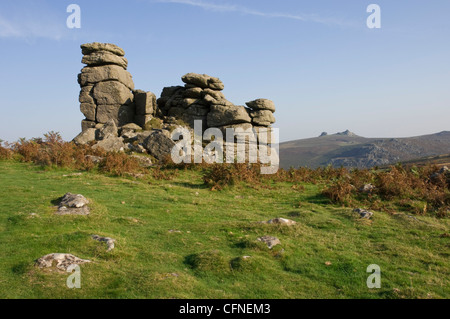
<point x="350" y="150"/>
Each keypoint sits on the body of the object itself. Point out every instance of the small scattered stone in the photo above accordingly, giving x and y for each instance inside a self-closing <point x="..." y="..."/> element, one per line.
<point x="282" y="221"/>
<point x="63" y="261"/>
<point x="363" y="213"/>
<point x="270" y="241"/>
<point x="94" y="159"/>
<point x="367" y="189"/>
<point x="109" y="241"/>
<point x="74" y="174"/>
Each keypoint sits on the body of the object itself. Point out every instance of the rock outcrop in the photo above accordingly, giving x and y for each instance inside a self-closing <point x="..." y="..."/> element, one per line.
<point x="106" y="86"/>
<point x="120" y="118"/>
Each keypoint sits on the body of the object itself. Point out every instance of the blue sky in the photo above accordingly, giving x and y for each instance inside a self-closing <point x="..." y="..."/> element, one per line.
<point x="317" y="60"/>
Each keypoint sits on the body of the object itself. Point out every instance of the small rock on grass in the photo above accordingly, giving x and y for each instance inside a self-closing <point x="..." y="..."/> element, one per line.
<point x="109" y="241"/>
<point x="270" y="241"/>
<point x="73" y="204"/>
<point x="363" y="213"/>
<point x="281" y="221"/>
<point x="63" y="261"/>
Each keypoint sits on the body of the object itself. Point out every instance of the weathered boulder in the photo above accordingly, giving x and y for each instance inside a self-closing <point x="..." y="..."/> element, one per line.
<point x="136" y="148"/>
<point x="73" y="204"/>
<point x="73" y="200"/>
<point x="89" y="48"/>
<point x="193" y="93"/>
<point x="85" y="137"/>
<point x="282" y="221"/>
<point x="104" y="58"/>
<point x="142" y="136"/>
<point x="109" y="241"/>
<point x="197" y="110"/>
<point x="142" y="120"/>
<point x="145" y="102"/>
<point x="86" y="95"/>
<point x="121" y="114"/>
<point x="144" y="161"/>
<point x="111" y="144"/>
<point x="129" y="130"/>
<point x="96" y="74"/>
<point x="112" y="92"/>
<point x="262" y="104"/>
<point x="88" y="110"/>
<point x="363" y="213"/>
<point x="262" y="117"/>
<point x="159" y="145"/>
<point x="203" y="81"/>
<point x="227" y="115"/>
<point x="87" y="124"/>
<point x="216" y="95"/>
<point x="108" y="130"/>
<point x="63" y="261"/>
<point x="270" y="241"/>
<point x="213" y="101"/>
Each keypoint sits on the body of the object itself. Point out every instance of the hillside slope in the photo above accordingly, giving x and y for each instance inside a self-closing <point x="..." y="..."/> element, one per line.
<point x="177" y="239"/>
<point x="349" y="150"/>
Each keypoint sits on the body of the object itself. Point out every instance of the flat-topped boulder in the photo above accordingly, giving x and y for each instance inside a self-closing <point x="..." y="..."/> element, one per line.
<point x="96" y="74"/>
<point x="104" y="58"/>
<point x="61" y="261"/>
<point x="203" y="81"/>
<point x="227" y="115"/>
<point x="262" y="104"/>
<point x="89" y="48"/>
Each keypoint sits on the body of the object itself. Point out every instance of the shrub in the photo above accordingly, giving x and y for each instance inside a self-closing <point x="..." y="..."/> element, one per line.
<point x="218" y="176"/>
<point x="339" y="192"/>
<point x="120" y="164"/>
<point x="5" y="153"/>
<point x="167" y="174"/>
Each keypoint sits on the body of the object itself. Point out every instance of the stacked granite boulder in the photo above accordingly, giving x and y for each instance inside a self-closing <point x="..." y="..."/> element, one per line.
<point x="201" y="98"/>
<point x="146" y="108"/>
<point x="193" y="101"/>
<point x="106" y="86"/>
<point x="120" y="118"/>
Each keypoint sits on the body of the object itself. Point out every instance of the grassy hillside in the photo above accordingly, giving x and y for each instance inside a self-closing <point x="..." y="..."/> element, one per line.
<point x="178" y="239"/>
<point x="314" y="152"/>
<point x="349" y="150"/>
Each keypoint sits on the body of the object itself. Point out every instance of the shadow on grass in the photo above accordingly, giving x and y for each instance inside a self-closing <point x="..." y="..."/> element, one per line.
<point x="191" y="185"/>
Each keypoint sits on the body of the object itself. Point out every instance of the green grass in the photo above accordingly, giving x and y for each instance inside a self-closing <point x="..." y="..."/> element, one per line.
<point x="211" y="232"/>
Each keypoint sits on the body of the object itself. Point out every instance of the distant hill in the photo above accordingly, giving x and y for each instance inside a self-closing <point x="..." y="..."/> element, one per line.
<point x="350" y="150"/>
